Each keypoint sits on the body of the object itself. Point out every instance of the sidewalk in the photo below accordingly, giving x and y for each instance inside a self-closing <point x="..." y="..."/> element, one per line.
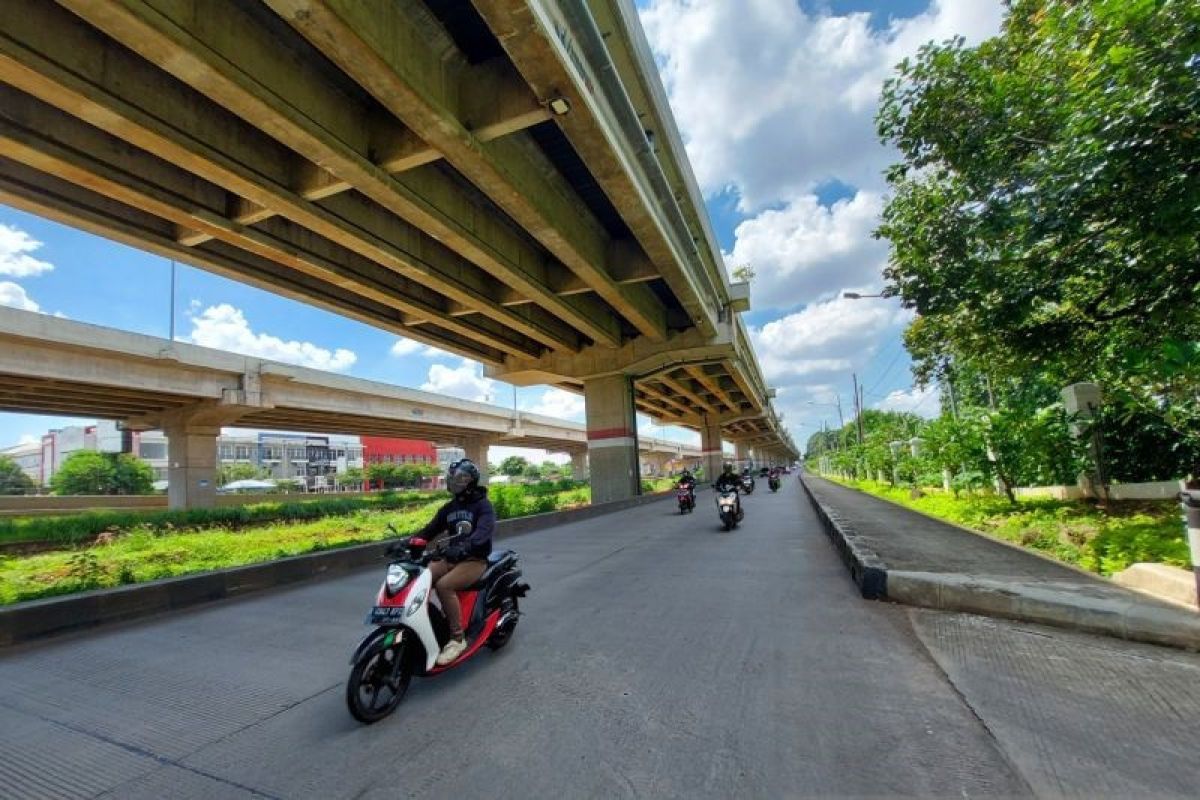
<point x="900" y="555"/>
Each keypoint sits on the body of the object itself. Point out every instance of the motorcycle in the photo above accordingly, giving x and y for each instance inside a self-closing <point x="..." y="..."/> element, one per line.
<point x="411" y="628"/>
<point x="729" y="509"/>
<point x="773" y="483"/>
<point x="687" y="501"/>
<point x="748" y="484"/>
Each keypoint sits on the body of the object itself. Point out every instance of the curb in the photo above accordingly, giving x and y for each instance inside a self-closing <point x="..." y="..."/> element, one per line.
<point x="1061" y="605"/>
<point x="50" y="616"/>
<point x="867" y="570"/>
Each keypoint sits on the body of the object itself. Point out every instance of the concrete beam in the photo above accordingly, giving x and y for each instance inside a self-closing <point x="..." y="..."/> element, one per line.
<point x="540" y="46"/>
<point x="713" y="384"/>
<point x="381" y="47"/>
<point x="50" y="54"/>
<point x="56" y="144"/>
<point x="239" y="66"/>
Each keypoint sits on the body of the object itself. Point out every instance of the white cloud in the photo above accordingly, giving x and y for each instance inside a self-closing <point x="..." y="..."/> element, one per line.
<point x="14" y="296"/>
<point x="15" y="259"/>
<point x="806" y="251"/>
<point x="825" y="340"/>
<point x="559" y="404"/>
<point x="405" y="347"/>
<point x="465" y="381"/>
<point x="225" y="327"/>
<point x="29" y="438"/>
<point x="775" y="101"/>
<point x="924" y="402"/>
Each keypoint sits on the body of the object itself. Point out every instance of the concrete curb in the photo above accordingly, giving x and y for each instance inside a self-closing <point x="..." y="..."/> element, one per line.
<point x="1082" y="607"/>
<point x="1062" y="605"/>
<point x="867" y="570"/>
<point x="35" y="619"/>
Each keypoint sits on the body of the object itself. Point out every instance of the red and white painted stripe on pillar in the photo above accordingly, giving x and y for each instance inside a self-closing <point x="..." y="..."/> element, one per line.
<point x="611" y="437"/>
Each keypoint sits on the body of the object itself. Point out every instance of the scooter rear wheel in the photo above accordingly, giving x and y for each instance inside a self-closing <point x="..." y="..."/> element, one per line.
<point x="501" y="635"/>
<point x="377" y="683"/>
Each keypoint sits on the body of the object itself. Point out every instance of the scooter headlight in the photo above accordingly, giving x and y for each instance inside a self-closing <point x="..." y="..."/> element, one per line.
<point x="415" y="604"/>
<point x="397" y="577"/>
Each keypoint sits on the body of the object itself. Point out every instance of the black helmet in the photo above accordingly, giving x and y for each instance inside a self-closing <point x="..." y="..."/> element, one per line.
<point x="728" y="469"/>
<point x="687" y="473"/>
<point x="462" y="476"/>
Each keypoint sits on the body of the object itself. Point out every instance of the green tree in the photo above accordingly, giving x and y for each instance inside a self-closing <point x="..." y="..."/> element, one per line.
<point x="131" y="475"/>
<point x="1043" y="217"/>
<point x="13" y="479"/>
<point x="513" y="466"/>
<point x="90" y="472"/>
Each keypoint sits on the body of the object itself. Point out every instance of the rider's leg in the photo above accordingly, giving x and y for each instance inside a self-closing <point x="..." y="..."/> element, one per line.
<point x="454" y="579"/>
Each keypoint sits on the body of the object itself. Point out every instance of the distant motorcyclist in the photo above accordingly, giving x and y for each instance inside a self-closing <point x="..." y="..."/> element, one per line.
<point x="728" y="481"/>
<point x="686" y="481"/>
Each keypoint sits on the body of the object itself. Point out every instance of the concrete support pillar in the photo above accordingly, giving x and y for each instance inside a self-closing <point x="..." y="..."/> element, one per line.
<point x="712" y="455"/>
<point x="742" y="454"/>
<point x="579" y="465"/>
<point x="1082" y="401"/>
<point x="612" y="438"/>
<point x="191" y="465"/>
<point x="475" y="449"/>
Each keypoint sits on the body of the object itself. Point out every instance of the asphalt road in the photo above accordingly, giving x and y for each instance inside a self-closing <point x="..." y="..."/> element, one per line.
<point x="658" y="656"/>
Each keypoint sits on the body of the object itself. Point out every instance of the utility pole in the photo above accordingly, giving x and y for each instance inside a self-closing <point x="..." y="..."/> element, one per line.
<point x="857" y="406"/>
<point x="949" y="384"/>
<point x="841" y="421"/>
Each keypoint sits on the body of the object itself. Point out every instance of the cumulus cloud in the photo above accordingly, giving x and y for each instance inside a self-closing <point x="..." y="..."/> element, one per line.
<point x="225" y="327"/>
<point x="806" y="251"/>
<point x="559" y="404"/>
<point x="774" y="101"/>
<point x="407" y="347"/>
<point x="924" y="402"/>
<point x="825" y="339"/>
<point x="466" y="381"/>
<point x="29" y="438"/>
<point x="15" y="259"/>
<point x="14" y="295"/>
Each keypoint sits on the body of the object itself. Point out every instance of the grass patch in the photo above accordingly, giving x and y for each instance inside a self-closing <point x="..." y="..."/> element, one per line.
<point x="148" y="551"/>
<point x="1103" y="540"/>
<point x="77" y="528"/>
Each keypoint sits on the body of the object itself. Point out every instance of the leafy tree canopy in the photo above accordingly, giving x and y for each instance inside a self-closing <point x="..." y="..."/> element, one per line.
<point x="13" y="479"/>
<point x="1044" y="214"/>
<point x="90" y="472"/>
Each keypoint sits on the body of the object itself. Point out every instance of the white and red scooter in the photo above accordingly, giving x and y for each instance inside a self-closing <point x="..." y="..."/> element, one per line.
<point x="411" y="628"/>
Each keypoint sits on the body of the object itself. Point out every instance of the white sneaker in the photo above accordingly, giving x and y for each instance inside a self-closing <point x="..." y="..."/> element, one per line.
<point x="453" y="649"/>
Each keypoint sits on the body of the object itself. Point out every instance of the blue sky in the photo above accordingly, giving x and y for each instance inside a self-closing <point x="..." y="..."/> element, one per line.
<point x="774" y="101"/>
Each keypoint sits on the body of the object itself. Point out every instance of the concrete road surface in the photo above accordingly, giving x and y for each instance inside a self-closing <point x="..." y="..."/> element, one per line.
<point x="658" y="657"/>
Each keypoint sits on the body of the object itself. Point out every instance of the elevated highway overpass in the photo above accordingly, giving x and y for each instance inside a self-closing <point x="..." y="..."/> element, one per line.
<point x="499" y="178"/>
<point x="57" y="366"/>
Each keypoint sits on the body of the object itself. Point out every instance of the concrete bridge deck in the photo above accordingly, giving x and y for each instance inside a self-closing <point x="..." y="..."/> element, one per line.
<point x="500" y="178"/>
<point x="63" y="367"/>
<point x="658" y="657"/>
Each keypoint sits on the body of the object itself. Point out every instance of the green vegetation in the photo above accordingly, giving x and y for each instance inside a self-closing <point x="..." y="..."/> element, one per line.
<point x="395" y="476"/>
<point x="78" y="528"/>
<point x="90" y="472"/>
<point x="132" y="548"/>
<point x="1042" y="221"/>
<point x="1103" y="540"/>
<point x="228" y="473"/>
<point x="13" y="479"/>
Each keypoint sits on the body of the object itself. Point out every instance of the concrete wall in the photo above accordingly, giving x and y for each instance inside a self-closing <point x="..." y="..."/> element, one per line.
<point x="1156" y="490"/>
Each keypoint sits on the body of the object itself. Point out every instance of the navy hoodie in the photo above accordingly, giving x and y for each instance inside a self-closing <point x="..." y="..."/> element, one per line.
<point x="474" y="507"/>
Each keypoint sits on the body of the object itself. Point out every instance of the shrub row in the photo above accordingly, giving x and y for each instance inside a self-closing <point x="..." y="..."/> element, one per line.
<point x="83" y="527"/>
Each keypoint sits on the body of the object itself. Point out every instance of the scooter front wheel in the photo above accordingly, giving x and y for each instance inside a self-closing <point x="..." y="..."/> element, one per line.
<point x="377" y="683"/>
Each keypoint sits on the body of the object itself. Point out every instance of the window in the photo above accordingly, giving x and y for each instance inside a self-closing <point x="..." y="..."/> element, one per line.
<point x="154" y="451"/>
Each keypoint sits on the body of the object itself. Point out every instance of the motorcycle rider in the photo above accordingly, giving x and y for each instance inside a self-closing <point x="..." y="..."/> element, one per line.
<point x="728" y="481"/>
<point x="461" y="563"/>
<point x="686" y="481"/>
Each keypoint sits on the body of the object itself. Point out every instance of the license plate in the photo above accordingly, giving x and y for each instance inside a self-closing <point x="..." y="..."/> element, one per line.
<point x="385" y="615"/>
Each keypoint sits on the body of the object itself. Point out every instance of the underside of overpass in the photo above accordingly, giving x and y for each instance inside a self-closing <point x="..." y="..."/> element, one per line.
<point x="498" y="178"/>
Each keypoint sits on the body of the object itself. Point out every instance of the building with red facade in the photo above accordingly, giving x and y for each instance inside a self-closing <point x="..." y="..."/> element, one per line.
<point x="381" y="449"/>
